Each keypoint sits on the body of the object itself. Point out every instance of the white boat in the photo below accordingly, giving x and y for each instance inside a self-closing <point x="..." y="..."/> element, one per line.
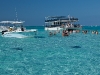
<point x="14" y="26"/>
<point x="61" y="23"/>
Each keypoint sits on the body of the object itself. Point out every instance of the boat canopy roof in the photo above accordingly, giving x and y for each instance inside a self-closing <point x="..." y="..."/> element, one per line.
<point x="56" y="17"/>
<point x="12" y="22"/>
<point x="60" y="18"/>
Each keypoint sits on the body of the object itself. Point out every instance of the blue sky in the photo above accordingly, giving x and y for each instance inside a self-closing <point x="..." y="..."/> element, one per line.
<point x="33" y="12"/>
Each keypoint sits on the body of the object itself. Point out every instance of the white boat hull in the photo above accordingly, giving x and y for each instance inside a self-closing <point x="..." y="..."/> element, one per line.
<point x="14" y="35"/>
<point x="53" y="28"/>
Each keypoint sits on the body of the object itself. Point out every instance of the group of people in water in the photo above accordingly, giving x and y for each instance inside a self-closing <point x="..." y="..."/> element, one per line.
<point x="93" y="32"/>
<point x="65" y="33"/>
<point x="53" y="33"/>
<point x="68" y="32"/>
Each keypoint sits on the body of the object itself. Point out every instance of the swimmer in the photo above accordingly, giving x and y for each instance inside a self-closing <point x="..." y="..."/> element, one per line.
<point x="93" y="32"/>
<point x="96" y="32"/>
<point x="50" y="33"/>
<point x="55" y="33"/>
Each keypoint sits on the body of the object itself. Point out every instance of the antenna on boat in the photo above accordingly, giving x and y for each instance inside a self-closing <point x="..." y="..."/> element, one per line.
<point x="16" y="15"/>
<point x="69" y="16"/>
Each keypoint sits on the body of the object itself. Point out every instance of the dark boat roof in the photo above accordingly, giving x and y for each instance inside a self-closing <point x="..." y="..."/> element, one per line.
<point x="57" y="18"/>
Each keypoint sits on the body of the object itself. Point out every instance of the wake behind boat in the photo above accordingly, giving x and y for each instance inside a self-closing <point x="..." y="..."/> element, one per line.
<point x="14" y="35"/>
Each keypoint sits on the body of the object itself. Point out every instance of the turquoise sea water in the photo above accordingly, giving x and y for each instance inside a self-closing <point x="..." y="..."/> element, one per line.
<point x="77" y="54"/>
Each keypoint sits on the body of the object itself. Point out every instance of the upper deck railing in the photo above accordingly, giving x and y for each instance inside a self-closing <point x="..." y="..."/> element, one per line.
<point x="12" y="22"/>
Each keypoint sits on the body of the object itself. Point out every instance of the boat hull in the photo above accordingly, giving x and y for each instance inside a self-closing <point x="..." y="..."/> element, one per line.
<point x="53" y="28"/>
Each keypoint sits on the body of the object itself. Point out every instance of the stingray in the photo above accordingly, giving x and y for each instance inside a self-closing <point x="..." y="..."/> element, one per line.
<point x="39" y="37"/>
<point x="75" y="47"/>
<point x="17" y="48"/>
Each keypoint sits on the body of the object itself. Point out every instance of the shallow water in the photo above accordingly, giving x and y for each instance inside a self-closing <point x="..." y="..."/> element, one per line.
<point x="77" y="54"/>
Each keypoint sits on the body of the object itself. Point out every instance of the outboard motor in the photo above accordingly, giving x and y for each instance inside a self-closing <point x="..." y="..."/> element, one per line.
<point x="22" y="28"/>
<point x="4" y="31"/>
